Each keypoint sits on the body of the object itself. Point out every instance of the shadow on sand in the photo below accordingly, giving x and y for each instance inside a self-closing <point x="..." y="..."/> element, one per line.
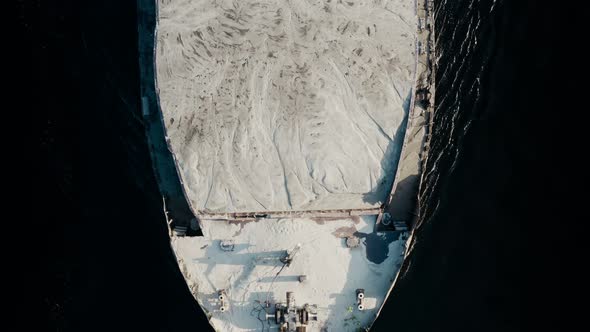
<point x="390" y="160"/>
<point x="376" y="244"/>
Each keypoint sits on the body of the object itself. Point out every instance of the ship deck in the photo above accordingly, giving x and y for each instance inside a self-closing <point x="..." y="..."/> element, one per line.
<point x="252" y="274"/>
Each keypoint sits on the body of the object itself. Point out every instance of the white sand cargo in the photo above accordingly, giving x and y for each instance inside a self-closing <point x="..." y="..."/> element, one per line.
<point x="285" y="105"/>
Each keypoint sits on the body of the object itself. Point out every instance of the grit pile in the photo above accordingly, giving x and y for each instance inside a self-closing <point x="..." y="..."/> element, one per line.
<point x="285" y="105"/>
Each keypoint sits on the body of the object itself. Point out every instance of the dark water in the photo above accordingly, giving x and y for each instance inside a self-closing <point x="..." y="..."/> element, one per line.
<point x="107" y="265"/>
<point x="474" y="266"/>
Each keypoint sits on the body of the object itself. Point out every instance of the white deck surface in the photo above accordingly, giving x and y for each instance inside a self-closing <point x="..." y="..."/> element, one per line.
<point x="285" y="104"/>
<point x="333" y="271"/>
